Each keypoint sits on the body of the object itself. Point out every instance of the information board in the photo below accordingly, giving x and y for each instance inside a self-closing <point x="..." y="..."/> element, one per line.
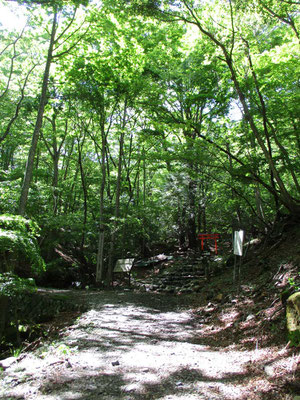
<point x="238" y="243"/>
<point x="124" y="265"/>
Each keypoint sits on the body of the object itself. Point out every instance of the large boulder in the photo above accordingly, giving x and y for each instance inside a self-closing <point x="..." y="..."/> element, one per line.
<point x="293" y="318"/>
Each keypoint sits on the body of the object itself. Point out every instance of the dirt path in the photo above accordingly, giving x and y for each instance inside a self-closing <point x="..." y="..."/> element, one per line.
<point x="140" y="347"/>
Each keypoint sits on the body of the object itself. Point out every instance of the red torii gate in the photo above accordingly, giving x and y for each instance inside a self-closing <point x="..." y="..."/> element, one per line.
<point x="204" y="236"/>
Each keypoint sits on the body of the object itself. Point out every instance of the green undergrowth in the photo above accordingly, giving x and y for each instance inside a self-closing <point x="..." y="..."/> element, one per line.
<point x="13" y="286"/>
<point x="23" y="307"/>
<point x="19" y="250"/>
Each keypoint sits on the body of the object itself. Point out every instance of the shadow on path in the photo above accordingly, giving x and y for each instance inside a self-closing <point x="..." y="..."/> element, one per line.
<point x="137" y="346"/>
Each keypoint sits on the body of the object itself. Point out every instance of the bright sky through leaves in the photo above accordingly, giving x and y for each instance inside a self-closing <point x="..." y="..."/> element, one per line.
<point x="12" y="16"/>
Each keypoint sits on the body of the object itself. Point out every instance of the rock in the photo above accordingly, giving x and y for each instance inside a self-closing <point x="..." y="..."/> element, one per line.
<point x="115" y="363"/>
<point x="133" y="387"/>
<point x="7" y="362"/>
<point x="92" y="388"/>
<point x="269" y="370"/>
<point x="293" y="318"/>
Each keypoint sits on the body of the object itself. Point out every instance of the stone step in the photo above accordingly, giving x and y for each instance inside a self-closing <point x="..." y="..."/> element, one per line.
<point x="185" y="275"/>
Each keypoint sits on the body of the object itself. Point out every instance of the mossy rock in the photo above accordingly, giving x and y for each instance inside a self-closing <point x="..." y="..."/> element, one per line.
<point x="293" y="318"/>
<point x="41" y="307"/>
<point x="30" y="308"/>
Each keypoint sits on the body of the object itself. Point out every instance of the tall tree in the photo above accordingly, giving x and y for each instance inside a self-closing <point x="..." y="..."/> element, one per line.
<point x="39" y="120"/>
<point x="56" y="40"/>
<point x="227" y="37"/>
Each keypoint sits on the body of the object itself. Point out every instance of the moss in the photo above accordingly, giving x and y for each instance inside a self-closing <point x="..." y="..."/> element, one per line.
<point x="22" y="304"/>
<point x="13" y="291"/>
<point x="293" y="318"/>
<point x="13" y="285"/>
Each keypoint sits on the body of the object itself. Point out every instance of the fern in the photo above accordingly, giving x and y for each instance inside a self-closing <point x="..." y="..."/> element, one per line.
<point x="18" y="241"/>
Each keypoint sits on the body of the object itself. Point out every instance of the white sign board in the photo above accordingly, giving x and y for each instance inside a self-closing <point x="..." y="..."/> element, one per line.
<point x="124" y="265"/>
<point x="238" y="243"/>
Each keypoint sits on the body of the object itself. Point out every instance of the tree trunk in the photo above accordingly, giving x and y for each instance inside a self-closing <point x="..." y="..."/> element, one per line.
<point x="286" y="199"/>
<point x="38" y="124"/>
<point x="118" y="192"/>
<point x="181" y="225"/>
<point x="100" y="254"/>
<point x="192" y="214"/>
<point x="284" y="196"/>
<point x="117" y="210"/>
<point x="85" y="193"/>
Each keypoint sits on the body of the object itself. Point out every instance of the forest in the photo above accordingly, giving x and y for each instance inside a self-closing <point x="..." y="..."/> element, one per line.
<point x="129" y="127"/>
<point x="133" y="125"/>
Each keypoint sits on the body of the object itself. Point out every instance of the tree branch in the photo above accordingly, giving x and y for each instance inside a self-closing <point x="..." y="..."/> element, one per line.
<point x="18" y="107"/>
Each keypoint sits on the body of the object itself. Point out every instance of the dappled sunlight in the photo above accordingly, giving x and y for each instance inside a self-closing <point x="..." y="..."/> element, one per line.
<point x="148" y="347"/>
<point x="119" y="321"/>
<point x="130" y="350"/>
<point x="229" y="316"/>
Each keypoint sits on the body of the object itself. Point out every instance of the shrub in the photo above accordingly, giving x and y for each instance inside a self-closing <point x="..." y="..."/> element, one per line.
<point x="13" y="292"/>
<point x="19" y="250"/>
<point x="13" y="285"/>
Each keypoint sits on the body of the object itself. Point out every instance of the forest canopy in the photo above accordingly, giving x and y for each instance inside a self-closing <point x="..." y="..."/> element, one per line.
<point x="127" y="125"/>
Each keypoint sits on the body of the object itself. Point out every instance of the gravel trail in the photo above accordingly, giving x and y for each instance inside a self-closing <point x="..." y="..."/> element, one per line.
<point x="134" y="346"/>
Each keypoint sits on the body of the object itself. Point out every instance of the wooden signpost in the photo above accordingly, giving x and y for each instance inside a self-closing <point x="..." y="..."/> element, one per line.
<point x="124" y="265"/>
